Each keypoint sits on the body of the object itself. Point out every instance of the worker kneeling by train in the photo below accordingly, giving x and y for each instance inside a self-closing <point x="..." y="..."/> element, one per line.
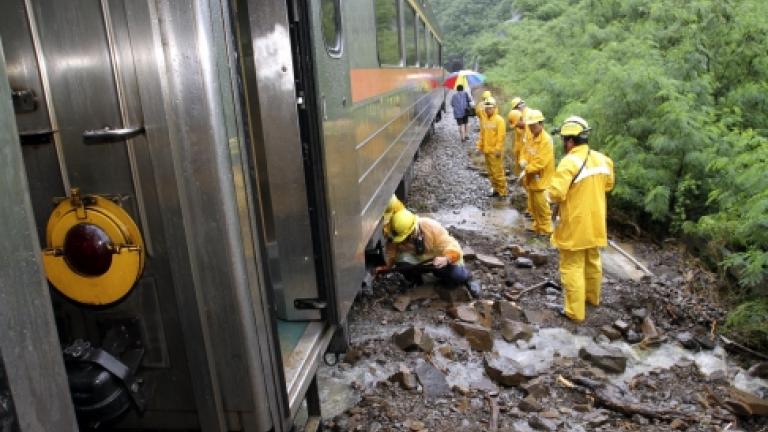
<point x="579" y="186"/>
<point x="419" y="245"/>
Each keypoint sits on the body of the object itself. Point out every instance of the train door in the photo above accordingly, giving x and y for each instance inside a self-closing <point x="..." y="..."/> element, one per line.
<point x="132" y="150"/>
<point x="74" y="81"/>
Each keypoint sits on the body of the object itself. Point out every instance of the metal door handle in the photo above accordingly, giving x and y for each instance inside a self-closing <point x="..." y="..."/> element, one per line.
<point x="111" y="135"/>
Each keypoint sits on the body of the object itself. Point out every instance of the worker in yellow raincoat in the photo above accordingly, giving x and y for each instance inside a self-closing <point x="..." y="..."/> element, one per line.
<point x="579" y="186"/>
<point x="517" y="124"/>
<point x="537" y="162"/>
<point x="415" y="241"/>
<point x="522" y="135"/>
<point x="479" y="106"/>
<point x="493" y="130"/>
<point x="394" y="206"/>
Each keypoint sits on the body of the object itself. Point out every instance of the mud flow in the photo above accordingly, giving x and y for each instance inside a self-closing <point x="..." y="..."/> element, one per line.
<point x="431" y="359"/>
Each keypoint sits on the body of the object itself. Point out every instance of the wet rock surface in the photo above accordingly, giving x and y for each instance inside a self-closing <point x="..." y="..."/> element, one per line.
<point x="447" y="387"/>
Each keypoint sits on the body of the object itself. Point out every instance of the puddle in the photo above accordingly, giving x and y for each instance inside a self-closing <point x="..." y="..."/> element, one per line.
<point x="337" y="393"/>
<point x="503" y="219"/>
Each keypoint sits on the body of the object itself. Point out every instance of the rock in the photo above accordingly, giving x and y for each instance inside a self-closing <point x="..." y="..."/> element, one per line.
<point x="483" y="384"/>
<point x="468" y="253"/>
<point x="705" y="341"/>
<point x="687" y="340"/>
<point x="509" y="311"/>
<point x="484" y="310"/>
<point x="596" y="419"/>
<point x="641" y="420"/>
<point x="536" y="389"/>
<point x="446" y="351"/>
<point x="415" y="425"/>
<point x="454" y="295"/>
<point x="746" y="404"/>
<point x="432" y="381"/>
<point x="539" y="259"/>
<point x="523" y="262"/>
<point x="609" y="359"/>
<point x="582" y="407"/>
<point x="413" y="339"/>
<point x="404" y="377"/>
<point x="639" y="314"/>
<point x="352" y="356"/>
<point x="490" y="261"/>
<point x="540" y="423"/>
<point x="460" y="389"/>
<point x="513" y="331"/>
<point x="538" y="316"/>
<point x="611" y="332"/>
<point x="529" y="404"/>
<point x="678" y="424"/>
<point x="633" y="337"/>
<point x="479" y="337"/>
<point x="622" y="326"/>
<point x="649" y="328"/>
<point x="401" y="302"/>
<point x="517" y="250"/>
<point x="506" y="371"/>
<point x="550" y="414"/>
<point x="464" y="313"/>
<point x="759" y="370"/>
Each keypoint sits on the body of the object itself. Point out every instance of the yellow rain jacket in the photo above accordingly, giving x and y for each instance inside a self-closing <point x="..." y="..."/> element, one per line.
<point x="582" y="205"/>
<point x="539" y="155"/>
<point x="493" y="130"/>
<point x="437" y="242"/>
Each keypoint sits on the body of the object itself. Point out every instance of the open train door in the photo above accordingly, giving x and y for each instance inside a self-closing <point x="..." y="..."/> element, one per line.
<point x="323" y="87"/>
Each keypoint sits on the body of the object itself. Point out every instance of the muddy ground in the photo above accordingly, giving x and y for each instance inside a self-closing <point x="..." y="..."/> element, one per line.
<point x="444" y="386"/>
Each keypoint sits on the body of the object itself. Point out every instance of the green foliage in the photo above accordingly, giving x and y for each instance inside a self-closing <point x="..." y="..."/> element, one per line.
<point x="676" y="93"/>
<point x="748" y="324"/>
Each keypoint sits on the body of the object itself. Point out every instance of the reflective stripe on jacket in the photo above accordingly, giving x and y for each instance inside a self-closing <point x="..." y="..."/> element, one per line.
<point x="582" y="205"/>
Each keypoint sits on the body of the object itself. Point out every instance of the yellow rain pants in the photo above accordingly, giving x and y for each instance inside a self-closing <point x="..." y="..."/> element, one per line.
<point x="542" y="213"/>
<point x="495" y="166"/>
<point x="580" y="274"/>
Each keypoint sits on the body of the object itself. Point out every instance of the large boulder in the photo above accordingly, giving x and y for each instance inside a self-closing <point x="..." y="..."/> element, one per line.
<point x="413" y="339"/>
<point x="506" y="371"/>
<point x="509" y="311"/>
<point x="490" y="261"/>
<point x="479" y="337"/>
<point x="513" y="331"/>
<point x="433" y="382"/>
<point x="609" y="359"/>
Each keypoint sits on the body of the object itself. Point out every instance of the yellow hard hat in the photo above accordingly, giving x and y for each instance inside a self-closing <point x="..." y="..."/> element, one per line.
<point x="517" y="101"/>
<point x="402" y="224"/>
<point x="574" y="126"/>
<point x="489" y="102"/>
<point x="514" y="116"/>
<point x="486" y="94"/>
<point x="395" y="205"/>
<point x="534" y="116"/>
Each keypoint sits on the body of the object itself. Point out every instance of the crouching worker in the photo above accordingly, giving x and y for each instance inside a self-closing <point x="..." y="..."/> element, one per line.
<point x="419" y="245"/>
<point x="579" y="186"/>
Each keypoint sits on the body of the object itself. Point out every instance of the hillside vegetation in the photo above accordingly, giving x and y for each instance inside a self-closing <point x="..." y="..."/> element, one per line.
<point x="677" y="95"/>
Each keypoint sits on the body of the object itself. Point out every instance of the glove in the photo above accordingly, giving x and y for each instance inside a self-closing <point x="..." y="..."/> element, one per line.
<point x="523" y="164"/>
<point x="440" y="262"/>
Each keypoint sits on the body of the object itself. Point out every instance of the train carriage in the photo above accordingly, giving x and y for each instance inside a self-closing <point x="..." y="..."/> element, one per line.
<point x="191" y="186"/>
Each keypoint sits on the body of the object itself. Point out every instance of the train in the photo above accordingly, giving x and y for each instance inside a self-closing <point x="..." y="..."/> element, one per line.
<point x="192" y="187"/>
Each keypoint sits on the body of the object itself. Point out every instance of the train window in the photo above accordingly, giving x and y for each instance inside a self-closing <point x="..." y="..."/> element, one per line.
<point x="409" y="27"/>
<point x="422" y="35"/>
<point x="330" y="11"/>
<point x="387" y="34"/>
